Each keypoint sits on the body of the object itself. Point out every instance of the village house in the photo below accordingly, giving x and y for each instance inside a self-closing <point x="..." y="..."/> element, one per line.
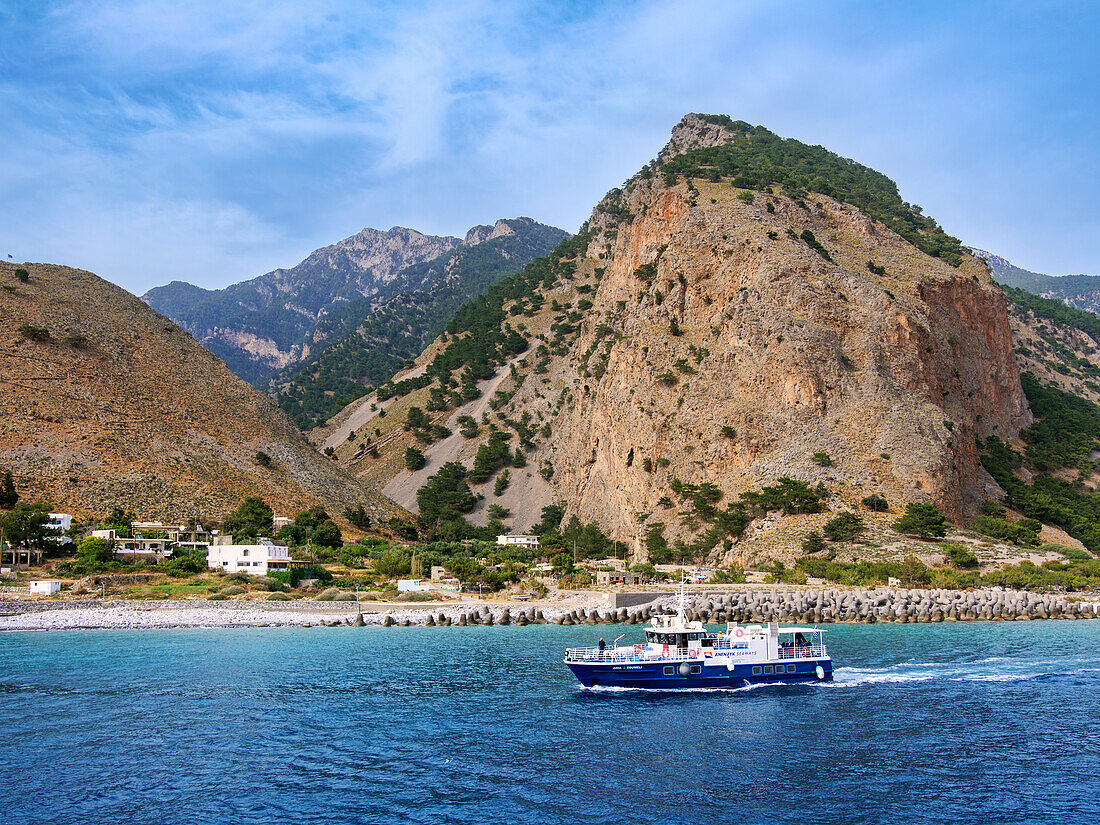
<point x="528" y="542"/>
<point x="155" y="540"/>
<point x="60" y="523"/>
<point x="257" y="559"/>
<point x="618" y="577"/>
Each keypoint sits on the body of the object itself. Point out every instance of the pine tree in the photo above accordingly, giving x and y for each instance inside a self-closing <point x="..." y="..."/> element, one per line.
<point x="8" y="496"/>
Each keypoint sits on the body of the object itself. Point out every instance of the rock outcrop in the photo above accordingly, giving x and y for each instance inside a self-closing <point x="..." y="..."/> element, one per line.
<point x="747" y="327"/>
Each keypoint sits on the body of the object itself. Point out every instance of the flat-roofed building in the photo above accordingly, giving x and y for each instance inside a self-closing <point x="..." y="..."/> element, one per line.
<point x="255" y="559"/>
<point x="529" y="542"/>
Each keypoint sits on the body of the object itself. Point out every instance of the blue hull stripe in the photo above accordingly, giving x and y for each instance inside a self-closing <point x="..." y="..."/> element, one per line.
<point x="653" y="676"/>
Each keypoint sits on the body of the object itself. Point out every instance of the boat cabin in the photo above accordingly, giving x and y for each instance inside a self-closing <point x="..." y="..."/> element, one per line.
<point x="673" y="633"/>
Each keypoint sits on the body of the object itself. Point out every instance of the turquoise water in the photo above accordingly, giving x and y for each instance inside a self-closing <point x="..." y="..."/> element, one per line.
<point x="977" y="722"/>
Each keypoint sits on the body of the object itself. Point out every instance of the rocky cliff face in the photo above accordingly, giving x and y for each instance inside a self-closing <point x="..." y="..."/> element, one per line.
<point x="891" y="375"/>
<point x="107" y="403"/>
<point x="713" y="334"/>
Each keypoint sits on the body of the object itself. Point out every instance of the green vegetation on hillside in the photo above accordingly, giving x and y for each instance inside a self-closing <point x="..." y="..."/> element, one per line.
<point x="759" y="159"/>
<point x="373" y="339"/>
<point x="1064" y="435"/>
<point x="1056" y="311"/>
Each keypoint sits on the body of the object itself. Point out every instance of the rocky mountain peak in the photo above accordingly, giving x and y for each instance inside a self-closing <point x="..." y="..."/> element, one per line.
<point x="483" y="233"/>
<point x="696" y="131"/>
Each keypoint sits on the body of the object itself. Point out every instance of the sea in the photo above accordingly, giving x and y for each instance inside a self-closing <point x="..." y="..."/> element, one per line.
<point x="939" y="723"/>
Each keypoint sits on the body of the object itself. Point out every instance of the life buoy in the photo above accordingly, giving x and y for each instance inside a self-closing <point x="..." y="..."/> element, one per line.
<point x="664" y="651"/>
<point x="739" y="633"/>
<point x="637" y="650"/>
<point x="694" y="654"/>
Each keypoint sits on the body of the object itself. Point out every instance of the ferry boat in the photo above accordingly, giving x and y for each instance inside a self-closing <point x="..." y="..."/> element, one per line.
<point x="679" y="654"/>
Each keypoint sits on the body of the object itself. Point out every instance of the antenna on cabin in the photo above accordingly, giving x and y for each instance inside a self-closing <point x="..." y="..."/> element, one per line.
<point x="683" y="578"/>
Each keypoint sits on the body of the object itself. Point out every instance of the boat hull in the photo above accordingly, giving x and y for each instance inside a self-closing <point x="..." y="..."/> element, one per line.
<point x="656" y="675"/>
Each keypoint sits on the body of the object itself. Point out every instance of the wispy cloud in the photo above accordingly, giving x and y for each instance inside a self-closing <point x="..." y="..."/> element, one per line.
<point x="212" y="141"/>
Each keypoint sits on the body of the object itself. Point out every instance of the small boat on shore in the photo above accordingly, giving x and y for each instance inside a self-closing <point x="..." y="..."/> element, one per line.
<point x="679" y="654"/>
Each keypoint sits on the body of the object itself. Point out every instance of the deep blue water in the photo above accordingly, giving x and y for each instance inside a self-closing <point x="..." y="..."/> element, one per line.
<point x="991" y="723"/>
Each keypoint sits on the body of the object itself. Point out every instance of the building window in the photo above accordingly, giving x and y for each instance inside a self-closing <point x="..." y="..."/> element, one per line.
<point x="244" y="552"/>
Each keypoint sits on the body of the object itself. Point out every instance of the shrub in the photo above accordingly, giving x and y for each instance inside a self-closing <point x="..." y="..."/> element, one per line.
<point x="747" y="197"/>
<point x="233" y="590"/>
<point x="960" y="555"/>
<point x="876" y="503"/>
<point x="1023" y="532"/>
<point x="33" y="333"/>
<point x="813" y="543"/>
<point x="729" y="432"/>
<point x="22" y="275"/>
<point x="501" y="484"/>
<point x="216" y="597"/>
<point x="414" y="459"/>
<point x="278" y="597"/>
<point x="822" y="460"/>
<point x="844" y="527"/>
<point x="922" y="521"/>
<point x="674" y="328"/>
<point x="263" y="459"/>
<point x="808" y="237"/>
<point x="994" y="508"/>
<point x="875" y="268"/>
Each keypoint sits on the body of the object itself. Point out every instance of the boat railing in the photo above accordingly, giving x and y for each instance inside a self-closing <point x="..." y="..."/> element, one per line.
<point x="802" y="651"/>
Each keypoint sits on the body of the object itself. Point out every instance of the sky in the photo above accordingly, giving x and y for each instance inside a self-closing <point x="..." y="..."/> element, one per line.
<point x="211" y="142"/>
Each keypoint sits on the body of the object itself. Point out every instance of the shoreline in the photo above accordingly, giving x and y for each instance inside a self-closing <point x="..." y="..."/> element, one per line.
<point x="808" y="605"/>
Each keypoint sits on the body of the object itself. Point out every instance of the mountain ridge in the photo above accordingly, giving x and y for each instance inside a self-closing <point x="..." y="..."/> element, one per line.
<point x="107" y="403"/>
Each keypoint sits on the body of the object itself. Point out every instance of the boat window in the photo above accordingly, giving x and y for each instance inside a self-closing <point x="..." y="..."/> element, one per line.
<point x="696" y="669"/>
<point x="756" y="670"/>
<point x="767" y="669"/>
<point x="669" y="670"/>
<point x="790" y="668"/>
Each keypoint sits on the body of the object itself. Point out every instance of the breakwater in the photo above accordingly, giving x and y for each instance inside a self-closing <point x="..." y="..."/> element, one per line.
<point x="805" y="606"/>
<point x="744" y="605"/>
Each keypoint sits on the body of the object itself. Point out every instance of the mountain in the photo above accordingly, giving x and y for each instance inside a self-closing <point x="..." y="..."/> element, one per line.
<point x="281" y="319"/>
<point x="744" y="310"/>
<point x="1081" y="291"/>
<point x="370" y="340"/>
<point x="264" y="323"/>
<point x="107" y="403"/>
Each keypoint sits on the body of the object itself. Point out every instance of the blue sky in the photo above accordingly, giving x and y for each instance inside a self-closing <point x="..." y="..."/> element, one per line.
<point x="213" y="141"/>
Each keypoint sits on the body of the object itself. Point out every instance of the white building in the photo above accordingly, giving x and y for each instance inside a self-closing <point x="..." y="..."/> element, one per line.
<point x="255" y="559"/>
<point x="45" y="588"/>
<point x="61" y="522"/>
<point x="412" y="585"/>
<point x="280" y="522"/>
<point x="529" y="542"/>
